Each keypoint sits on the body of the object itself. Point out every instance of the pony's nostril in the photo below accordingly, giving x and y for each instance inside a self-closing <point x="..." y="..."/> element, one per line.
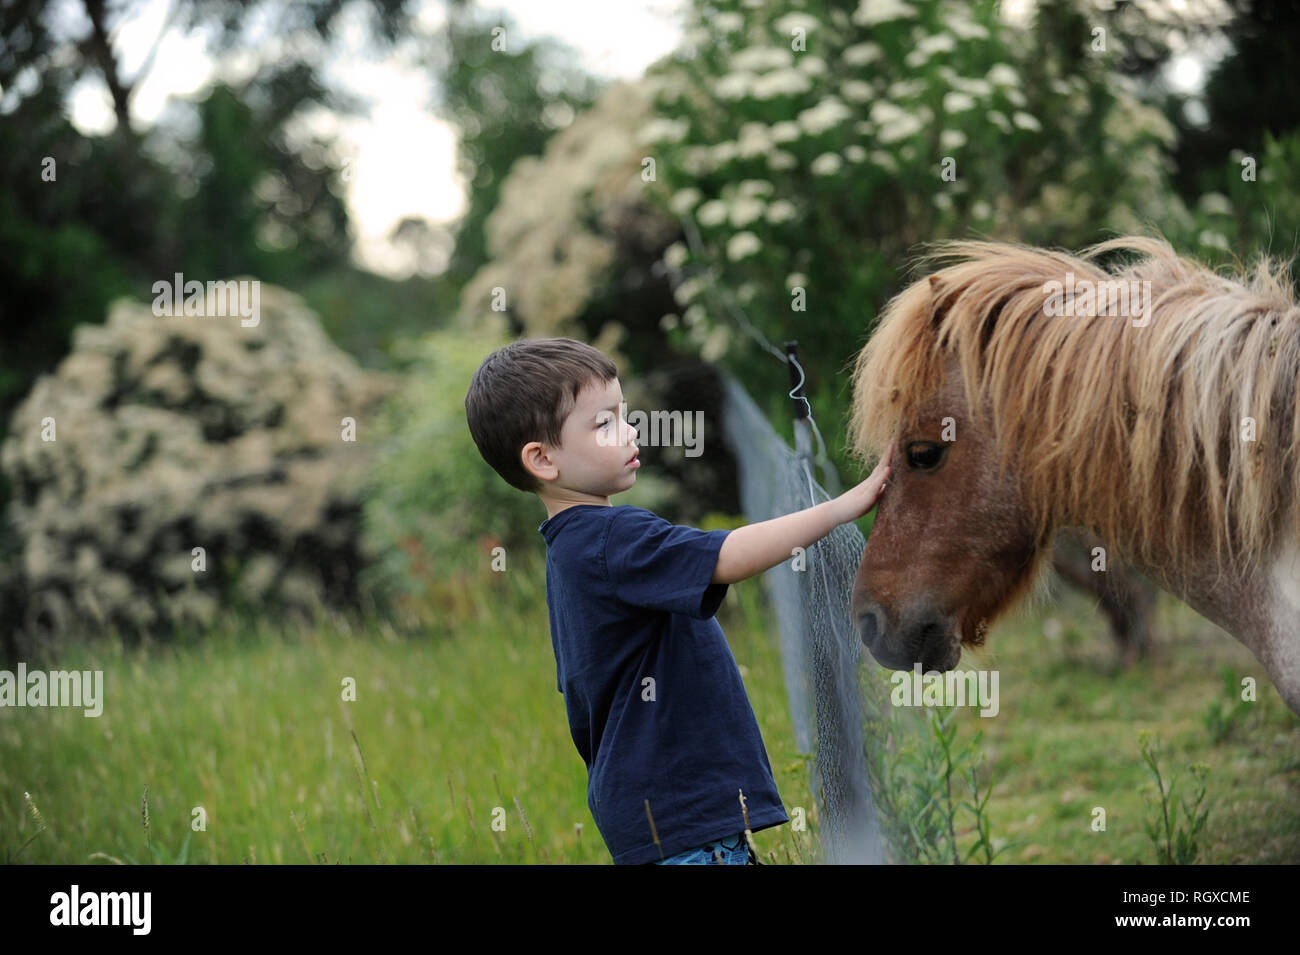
<point x="933" y="647"/>
<point x="869" y="628"/>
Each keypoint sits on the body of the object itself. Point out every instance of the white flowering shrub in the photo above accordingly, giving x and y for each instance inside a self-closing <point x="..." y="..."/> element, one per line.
<point x="812" y="149"/>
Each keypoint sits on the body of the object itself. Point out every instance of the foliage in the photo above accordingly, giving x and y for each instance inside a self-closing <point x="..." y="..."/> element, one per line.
<point x="813" y="150"/>
<point x="1222" y="718"/>
<point x="218" y="188"/>
<point x="913" y="775"/>
<point x="1175" y="842"/>
<point x="438" y="509"/>
<point x="506" y="99"/>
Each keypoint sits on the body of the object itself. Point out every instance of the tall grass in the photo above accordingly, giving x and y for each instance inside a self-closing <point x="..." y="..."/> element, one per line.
<point x="240" y="747"/>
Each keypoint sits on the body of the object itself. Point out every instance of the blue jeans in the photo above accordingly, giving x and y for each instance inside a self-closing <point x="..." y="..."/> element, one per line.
<point x="733" y="850"/>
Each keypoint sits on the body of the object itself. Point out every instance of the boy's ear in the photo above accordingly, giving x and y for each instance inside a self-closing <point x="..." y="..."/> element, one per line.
<point x="537" y="461"/>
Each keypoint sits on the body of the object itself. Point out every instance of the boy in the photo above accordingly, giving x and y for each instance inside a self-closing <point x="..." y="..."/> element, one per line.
<point x="655" y="701"/>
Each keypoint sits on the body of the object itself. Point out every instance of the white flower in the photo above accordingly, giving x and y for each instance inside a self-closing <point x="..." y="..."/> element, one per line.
<point x="928" y="47"/>
<point x="754" y="140"/>
<point x="668" y="322"/>
<point x="952" y="139"/>
<point x="856" y="91"/>
<point x="713" y="212"/>
<point x="715" y="346"/>
<point x="957" y="102"/>
<point x="999" y="119"/>
<point x="1213" y="239"/>
<point x="785" y="131"/>
<point x="827" y="164"/>
<point x="901" y="128"/>
<point x="686" y="291"/>
<point x="1003" y="75"/>
<point x="788" y="82"/>
<point x="860" y="54"/>
<point x="871" y="12"/>
<point x="675" y="256"/>
<point x="756" y="59"/>
<point x="981" y="209"/>
<point x="754" y="187"/>
<point x="883" y="111"/>
<point x="1026" y="121"/>
<point x="723" y="153"/>
<point x="729" y="22"/>
<point x="971" y="85"/>
<point x="1215" y="203"/>
<point x="827" y="114"/>
<point x="906" y="88"/>
<point x="795" y="21"/>
<point x="734" y="85"/>
<point x="685" y="200"/>
<point x="896" y="123"/>
<point x="812" y="65"/>
<point x="855" y="153"/>
<point x="742" y="244"/>
<point x="779" y="160"/>
<point x="942" y="200"/>
<point x="967" y="29"/>
<point x="745" y="209"/>
<point x="796" y="280"/>
<point x="693" y="316"/>
<point x="884" y="160"/>
<point x="1017" y="98"/>
<point x="698" y="160"/>
<point x="937" y="43"/>
<point x="783" y="210"/>
<point x="660" y="130"/>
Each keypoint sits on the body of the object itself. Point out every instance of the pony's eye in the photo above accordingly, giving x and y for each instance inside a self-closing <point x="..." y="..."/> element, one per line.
<point x="925" y="455"/>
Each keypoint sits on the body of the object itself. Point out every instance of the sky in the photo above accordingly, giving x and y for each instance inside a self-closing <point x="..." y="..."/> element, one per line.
<point x="401" y="157"/>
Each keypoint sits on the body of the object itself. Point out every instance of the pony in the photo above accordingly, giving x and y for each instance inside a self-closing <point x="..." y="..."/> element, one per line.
<point x="1026" y="390"/>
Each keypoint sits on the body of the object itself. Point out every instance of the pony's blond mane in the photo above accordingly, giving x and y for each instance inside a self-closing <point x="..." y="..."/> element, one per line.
<point x="1137" y="431"/>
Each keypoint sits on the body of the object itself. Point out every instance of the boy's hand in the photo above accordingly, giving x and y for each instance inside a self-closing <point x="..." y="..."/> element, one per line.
<point x="856" y="501"/>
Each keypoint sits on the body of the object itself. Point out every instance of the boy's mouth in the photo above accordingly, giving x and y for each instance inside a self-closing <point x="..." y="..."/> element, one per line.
<point x="633" y="459"/>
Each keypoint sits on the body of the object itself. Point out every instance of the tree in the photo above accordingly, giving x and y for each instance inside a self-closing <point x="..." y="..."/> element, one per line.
<point x="506" y="98"/>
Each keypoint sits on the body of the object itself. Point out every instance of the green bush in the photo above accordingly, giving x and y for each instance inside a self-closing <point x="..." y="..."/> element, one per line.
<point x="437" y="510"/>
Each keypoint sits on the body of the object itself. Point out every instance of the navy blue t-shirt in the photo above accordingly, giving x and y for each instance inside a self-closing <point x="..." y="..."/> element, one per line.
<point x="655" y="700"/>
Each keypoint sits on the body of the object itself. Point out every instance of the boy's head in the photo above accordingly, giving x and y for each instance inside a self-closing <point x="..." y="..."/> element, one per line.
<point x="545" y="414"/>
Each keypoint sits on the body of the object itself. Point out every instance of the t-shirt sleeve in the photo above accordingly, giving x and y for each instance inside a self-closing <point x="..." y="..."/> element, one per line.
<point x="662" y="566"/>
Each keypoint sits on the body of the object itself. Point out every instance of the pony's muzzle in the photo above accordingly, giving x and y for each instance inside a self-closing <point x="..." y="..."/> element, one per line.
<point x="925" y="637"/>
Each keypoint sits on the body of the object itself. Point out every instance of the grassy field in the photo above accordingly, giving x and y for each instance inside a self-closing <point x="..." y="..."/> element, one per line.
<point x="462" y="724"/>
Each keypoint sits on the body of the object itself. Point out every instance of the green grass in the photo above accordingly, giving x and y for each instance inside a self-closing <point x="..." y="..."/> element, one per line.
<point x="249" y="724"/>
<point x="1066" y="740"/>
<point x="462" y="718"/>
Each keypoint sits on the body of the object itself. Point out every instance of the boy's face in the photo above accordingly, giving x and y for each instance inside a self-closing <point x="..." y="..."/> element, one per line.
<point x="596" y="456"/>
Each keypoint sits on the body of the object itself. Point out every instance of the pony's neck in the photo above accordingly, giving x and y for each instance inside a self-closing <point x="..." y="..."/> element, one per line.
<point x="1259" y="606"/>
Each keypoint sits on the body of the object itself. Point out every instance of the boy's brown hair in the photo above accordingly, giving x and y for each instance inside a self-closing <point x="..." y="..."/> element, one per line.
<point x="523" y="392"/>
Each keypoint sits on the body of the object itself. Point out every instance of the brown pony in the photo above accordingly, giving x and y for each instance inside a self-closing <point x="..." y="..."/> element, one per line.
<point x="1029" y="390"/>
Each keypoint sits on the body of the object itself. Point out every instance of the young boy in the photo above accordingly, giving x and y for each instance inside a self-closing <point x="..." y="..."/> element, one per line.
<point x="655" y="701"/>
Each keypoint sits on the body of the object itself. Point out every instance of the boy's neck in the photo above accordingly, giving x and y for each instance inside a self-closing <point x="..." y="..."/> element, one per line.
<point x="556" y="504"/>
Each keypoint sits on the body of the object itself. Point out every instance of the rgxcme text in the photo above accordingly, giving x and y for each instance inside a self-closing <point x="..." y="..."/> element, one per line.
<point x="1176" y="895"/>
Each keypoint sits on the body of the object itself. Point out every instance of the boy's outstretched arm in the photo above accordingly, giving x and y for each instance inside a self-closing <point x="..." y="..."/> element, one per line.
<point x="752" y="549"/>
